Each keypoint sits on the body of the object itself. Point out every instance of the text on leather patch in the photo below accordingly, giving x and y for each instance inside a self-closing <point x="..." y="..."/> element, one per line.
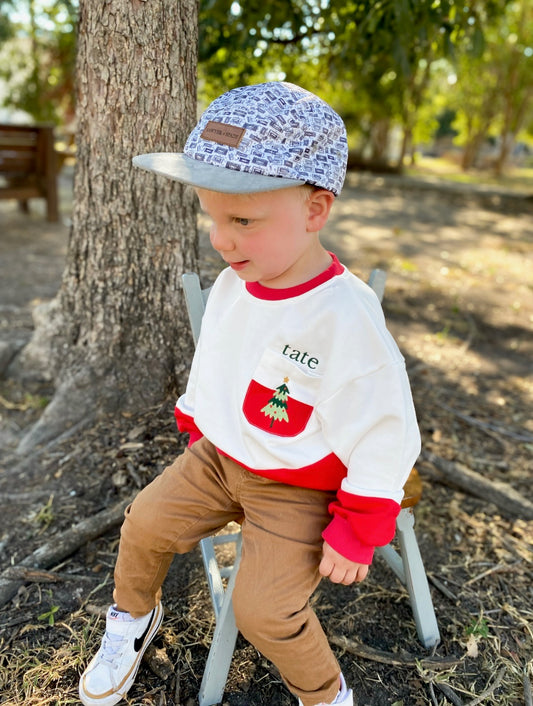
<point x="223" y="134"/>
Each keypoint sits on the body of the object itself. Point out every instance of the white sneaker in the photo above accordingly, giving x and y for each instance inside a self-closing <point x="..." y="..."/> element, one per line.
<point x="113" y="669"/>
<point x="343" y="698"/>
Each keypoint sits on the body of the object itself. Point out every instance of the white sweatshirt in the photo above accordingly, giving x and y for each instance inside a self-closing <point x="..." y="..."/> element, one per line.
<point x="306" y="386"/>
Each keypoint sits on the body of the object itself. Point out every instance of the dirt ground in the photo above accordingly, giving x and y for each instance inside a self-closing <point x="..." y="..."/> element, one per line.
<point x="459" y="301"/>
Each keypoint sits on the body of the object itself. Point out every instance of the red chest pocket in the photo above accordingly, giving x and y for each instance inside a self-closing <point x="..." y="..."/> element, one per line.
<point x="275" y="411"/>
<point x="280" y="399"/>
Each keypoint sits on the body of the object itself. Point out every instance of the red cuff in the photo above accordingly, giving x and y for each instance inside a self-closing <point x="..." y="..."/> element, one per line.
<point x="359" y="524"/>
<point x="338" y="534"/>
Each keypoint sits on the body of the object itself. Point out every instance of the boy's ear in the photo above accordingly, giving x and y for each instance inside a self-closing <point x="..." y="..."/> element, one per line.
<point x="319" y="205"/>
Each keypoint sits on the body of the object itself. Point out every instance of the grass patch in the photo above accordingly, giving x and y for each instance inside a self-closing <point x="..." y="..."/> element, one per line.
<point x="43" y="668"/>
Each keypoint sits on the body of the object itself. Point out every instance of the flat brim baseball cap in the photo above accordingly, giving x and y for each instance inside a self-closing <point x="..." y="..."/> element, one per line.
<point x="182" y="168"/>
<point x="259" y="138"/>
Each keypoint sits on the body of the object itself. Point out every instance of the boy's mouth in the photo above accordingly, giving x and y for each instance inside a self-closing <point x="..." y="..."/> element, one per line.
<point x="238" y="265"/>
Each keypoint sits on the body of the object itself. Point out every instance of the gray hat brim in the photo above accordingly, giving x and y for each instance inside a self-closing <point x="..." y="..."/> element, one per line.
<point x="179" y="167"/>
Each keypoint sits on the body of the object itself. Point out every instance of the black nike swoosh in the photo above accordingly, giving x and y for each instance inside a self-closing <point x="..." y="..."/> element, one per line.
<point x="139" y="641"/>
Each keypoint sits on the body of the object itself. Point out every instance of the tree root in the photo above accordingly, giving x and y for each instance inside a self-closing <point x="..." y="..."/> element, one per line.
<point x="63" y="545"/>
<point x="72" y="406"/>
<point x="396" y="660"/>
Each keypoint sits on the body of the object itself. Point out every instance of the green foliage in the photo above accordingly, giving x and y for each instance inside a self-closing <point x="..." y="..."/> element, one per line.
<point x="445" y="120"/>
<point x="372" y="60"/>
<point x="380" y="64"/>
<point x="38" y="61"/>
<point x="6" y="28"/>
<point x="45" y="516"/>
<point x="478" y="628"/>
<point x="494" y="91"/>
<point x="253" y="42"/>
<point x="49" y="615"/>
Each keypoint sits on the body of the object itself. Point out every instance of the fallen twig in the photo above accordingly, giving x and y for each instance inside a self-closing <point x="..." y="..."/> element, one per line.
<point x="99" y="610"/>
<point x="20" y="573"/>
<point x="517" y="436"/>
<point x="396" y="660"/>
<point x="432" y="694"/>
<point x="498" y="569"/>
<point x="490" y="690"/>
<point x="29" y="497"/>
<point x="449" y="693"/>
<point x="507" y="499"/>
<point x="14" y="405"/>
<point x="528" y="697"/>
<point x="63" y="545"/>
<point x="442" y="588"/>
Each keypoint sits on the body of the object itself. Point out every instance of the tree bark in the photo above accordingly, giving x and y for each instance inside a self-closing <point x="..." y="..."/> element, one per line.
<point x="119" y="337"/>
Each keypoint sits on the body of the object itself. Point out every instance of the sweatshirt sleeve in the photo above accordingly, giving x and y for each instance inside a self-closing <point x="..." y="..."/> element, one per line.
<point x="360" y="524"/>
<point x="186" y="423"/>
<point x="371" y="425"/>
<point x="184" y="409"/>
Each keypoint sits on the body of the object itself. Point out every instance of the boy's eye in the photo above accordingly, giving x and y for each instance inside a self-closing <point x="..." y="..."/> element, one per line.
<point x="243" y="221"/>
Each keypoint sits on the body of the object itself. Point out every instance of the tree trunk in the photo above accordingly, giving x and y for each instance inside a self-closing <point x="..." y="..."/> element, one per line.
<point x="407" y="141"/>
<point x="119" y="338"/>
<point x="506" y="147"/>
<point x="471" y="151"/>
<point x="379" y="137"/>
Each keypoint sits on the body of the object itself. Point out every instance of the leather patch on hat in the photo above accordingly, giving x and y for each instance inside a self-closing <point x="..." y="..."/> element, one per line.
<point x="224" y="134"/>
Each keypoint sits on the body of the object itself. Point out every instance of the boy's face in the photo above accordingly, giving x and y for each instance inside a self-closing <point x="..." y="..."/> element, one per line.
<point x="268" y="237"/>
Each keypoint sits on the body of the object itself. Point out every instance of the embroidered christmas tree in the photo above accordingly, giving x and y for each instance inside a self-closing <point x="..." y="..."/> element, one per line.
<point x="276" y="408"/>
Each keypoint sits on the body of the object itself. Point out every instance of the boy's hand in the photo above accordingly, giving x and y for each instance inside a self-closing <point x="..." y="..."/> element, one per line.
<point x="339" y="569"/>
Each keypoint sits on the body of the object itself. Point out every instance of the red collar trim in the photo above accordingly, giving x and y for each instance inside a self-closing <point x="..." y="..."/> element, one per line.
<point x="261" y="292"/>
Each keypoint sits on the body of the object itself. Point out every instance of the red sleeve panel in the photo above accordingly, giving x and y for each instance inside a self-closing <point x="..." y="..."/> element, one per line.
<point x="360" y="524"/>
<point x="187" y="425"/>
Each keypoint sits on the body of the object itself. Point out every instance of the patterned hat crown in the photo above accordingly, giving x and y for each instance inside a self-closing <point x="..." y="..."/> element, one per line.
<point x="260" y="138"/>
<point x="279" y="130"/>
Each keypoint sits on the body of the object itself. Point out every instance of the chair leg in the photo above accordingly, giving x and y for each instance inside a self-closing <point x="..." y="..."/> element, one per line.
<point x="416" y="580"/>
<point x="222" y="646"/>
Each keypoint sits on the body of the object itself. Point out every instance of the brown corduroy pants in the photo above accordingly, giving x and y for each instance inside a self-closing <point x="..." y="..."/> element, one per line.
<point x="281" y="549"/>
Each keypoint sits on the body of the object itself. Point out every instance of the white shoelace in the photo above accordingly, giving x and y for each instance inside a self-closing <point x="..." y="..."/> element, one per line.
<point x="111" y="645"/>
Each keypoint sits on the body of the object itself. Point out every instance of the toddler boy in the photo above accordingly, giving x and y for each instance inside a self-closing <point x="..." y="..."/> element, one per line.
<point x="298" y="405"/>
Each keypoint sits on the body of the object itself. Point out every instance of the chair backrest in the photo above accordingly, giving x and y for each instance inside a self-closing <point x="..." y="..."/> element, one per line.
<point x="195" y="301"/>
<point x="196" y="297"/>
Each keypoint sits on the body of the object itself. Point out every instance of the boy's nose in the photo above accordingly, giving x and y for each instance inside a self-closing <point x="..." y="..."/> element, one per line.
<point x="220" y="239"/>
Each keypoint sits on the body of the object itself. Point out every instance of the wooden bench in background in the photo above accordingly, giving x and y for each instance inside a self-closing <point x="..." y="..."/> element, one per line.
<point x="28" y="166"/>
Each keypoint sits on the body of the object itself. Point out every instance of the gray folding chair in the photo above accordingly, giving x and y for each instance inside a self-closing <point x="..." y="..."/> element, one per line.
<point x="406" y="564"/>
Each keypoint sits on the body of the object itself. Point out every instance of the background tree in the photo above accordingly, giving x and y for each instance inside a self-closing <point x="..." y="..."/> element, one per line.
<point x="6" y="27"/>
<point x="494" y="90"/>
<point x="372" y="60"/>
<point x="379" y="63"/>
<point x="516" y="75"/>
<point x="117" y="336"/>
<point x="136" y="90"/>
<point x="38" y="63"/>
